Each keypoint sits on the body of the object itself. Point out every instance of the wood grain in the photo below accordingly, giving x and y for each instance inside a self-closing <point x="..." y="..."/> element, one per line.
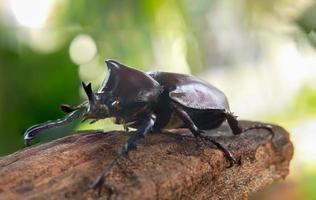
<point x="170" y="165"/>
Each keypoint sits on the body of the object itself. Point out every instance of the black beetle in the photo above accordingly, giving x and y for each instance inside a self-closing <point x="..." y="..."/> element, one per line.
<point x="150" y="102"/>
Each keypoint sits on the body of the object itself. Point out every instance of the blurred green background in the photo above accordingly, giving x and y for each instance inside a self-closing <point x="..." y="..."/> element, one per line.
<point x="260" y="53"/>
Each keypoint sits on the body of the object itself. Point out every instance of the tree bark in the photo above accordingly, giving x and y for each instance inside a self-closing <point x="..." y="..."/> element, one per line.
<point x="170" y="165"/>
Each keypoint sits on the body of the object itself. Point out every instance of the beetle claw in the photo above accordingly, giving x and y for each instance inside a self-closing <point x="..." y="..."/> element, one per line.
<point x="97" y="185"/>
<point x="232" y="161"/>
<point x="84" y="119"/>
<point x="228" y="154"/>
<point x="26" y="143"/>
<point x="93" y="121"/>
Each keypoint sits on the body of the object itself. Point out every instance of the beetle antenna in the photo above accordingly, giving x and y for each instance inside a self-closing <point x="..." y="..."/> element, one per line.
<point x="39" y="128"/>
<point x="89" y="92"/>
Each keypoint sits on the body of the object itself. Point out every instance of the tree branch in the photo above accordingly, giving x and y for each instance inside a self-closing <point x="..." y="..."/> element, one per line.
<point x="165" y="166"/>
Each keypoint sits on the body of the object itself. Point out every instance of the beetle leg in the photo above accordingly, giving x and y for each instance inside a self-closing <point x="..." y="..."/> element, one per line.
<point x="94" y="121"/>
<point x="125" y="124"/>
<point x="186" y="119"/>
<point x="130" y="145"/>
<point x="233" y="123"/>
<point x="198" y="133"/>
<point x="125" y="127"/>
<point x="231" y="158"/>
<point x="260" y="126"/>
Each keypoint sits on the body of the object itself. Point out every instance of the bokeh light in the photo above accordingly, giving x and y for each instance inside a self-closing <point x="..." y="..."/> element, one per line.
<point x="45" y="41"/>
<point x="304" y="139"/>
<point x="82" y="49"/>
<point x="31" y="13"/>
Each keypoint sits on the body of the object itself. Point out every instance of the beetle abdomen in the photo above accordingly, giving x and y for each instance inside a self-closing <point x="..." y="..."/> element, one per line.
<point x="191" y="92"/>
<point x="174" y="122"/>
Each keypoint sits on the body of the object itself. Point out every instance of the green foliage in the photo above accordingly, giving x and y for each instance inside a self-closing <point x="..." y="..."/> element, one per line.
<point x="303" y="107"/>
<point x="308" y="184"/>
<point x="306" y="101"/>
<point x="308" y="24"/>
<point x="32" y="87"/>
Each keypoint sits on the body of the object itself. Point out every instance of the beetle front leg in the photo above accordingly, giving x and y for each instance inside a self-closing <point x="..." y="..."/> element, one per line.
<point x="131" y="144"/>
<point x="198" y="133"/>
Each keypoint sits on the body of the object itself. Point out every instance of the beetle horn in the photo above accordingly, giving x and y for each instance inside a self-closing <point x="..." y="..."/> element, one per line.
<point x="88" y="90"/>
<point x="39" y="128"/>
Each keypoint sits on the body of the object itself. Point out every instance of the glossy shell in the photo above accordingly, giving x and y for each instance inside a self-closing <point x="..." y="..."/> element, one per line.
<point x="191" y="92"/>
<point x="130" y="85"/>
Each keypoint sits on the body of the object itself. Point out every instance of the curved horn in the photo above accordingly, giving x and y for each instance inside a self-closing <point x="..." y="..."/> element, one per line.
<point x="89" y="92"/>
<point x="39" y="128"/>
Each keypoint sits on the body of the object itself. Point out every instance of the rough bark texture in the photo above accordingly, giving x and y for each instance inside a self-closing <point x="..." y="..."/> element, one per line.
<point x="165" y="166"/>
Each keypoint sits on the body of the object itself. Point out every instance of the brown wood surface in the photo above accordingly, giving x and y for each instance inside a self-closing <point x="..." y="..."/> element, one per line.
<point x="169" y="165"/>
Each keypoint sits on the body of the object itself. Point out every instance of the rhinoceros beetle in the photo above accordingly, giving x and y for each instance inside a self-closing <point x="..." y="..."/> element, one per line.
<point x="150" y="102"/>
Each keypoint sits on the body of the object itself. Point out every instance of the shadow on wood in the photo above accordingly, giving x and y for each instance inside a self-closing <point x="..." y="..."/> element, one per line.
<point x="165" y="166"/>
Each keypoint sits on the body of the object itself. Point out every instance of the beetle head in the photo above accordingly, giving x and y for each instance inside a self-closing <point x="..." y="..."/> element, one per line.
<point x="123" y="86"/>
<point x="96" y="108"/>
